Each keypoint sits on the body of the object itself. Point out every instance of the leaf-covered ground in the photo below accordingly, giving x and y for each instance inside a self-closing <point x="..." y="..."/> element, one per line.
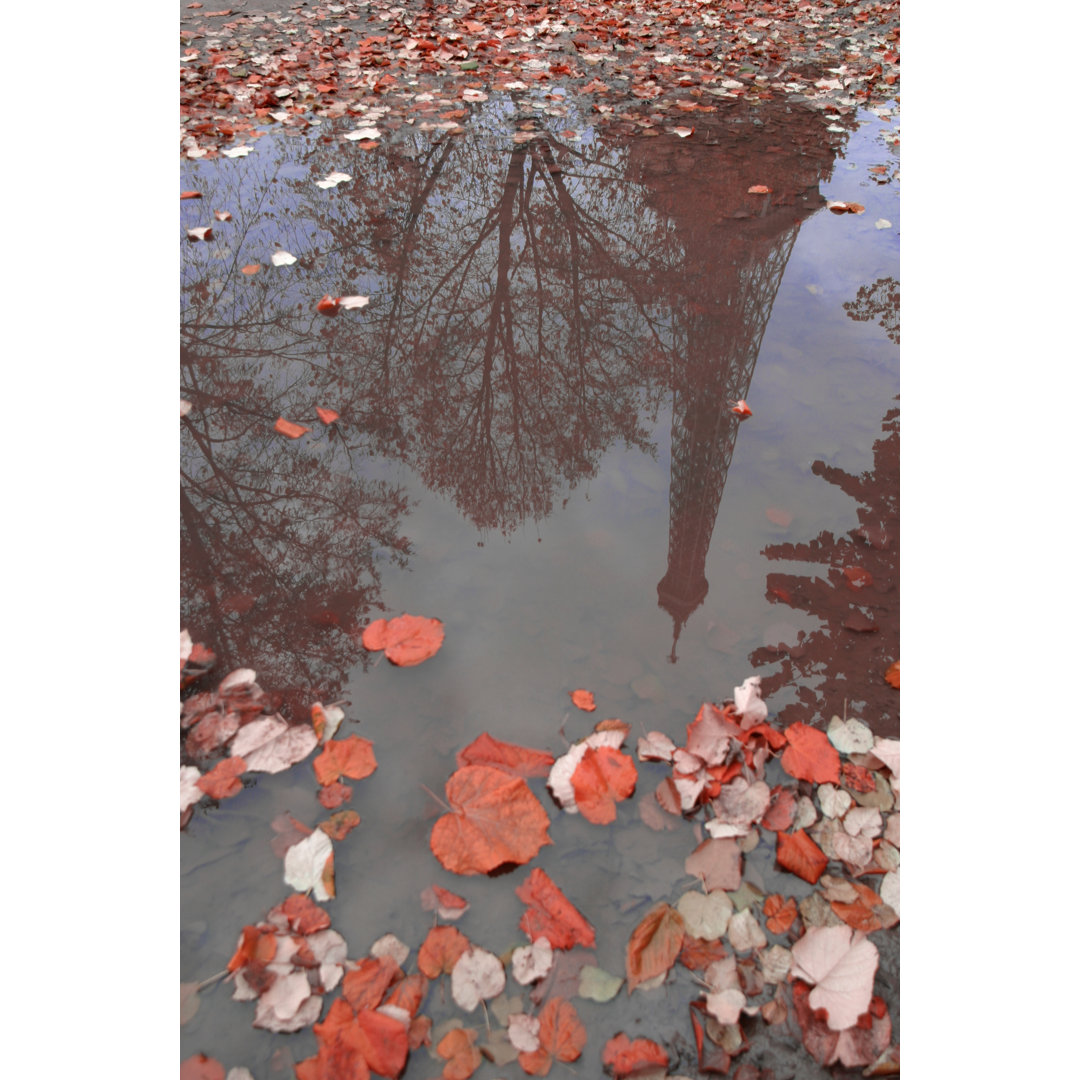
<point x="643" y="66"/>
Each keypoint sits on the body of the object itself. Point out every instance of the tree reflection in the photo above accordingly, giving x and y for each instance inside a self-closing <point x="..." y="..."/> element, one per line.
<point x="880" y="302"/>
<point x="859" y="601"/>
<point x="535" y="297"/>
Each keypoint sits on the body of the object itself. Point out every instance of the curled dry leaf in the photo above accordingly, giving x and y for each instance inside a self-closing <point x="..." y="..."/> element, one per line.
<point x="495" y="819"/>
<point x="408" y="640"/>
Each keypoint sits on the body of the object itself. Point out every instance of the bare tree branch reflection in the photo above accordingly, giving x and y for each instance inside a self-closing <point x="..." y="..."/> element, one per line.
<point x="880" y="302"/>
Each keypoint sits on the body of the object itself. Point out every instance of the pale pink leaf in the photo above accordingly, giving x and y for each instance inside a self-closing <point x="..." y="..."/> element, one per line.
<point x="532" y="962"/>
<point x="305" y="861"/>
<point x="748" y="703"/>
<point x="190" y="793"/>
<point x="478" y="975"/>
<point x="840" y="964"/>
<point x="524" y="1032"/>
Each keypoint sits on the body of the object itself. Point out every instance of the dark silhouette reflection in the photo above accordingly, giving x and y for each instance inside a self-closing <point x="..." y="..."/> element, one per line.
<point x="279" y="544"/>
<point x="859" y="602"/>
<point x="880" y="302"/>
<point x="534" y="299"/>
<point x="736" y="245"/>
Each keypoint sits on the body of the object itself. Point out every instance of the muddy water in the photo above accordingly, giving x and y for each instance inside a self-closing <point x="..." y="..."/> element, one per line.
<point x="535" y="445"/>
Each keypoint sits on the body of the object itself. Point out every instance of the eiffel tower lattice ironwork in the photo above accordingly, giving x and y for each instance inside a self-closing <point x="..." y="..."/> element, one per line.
<point x="722" y="341"/>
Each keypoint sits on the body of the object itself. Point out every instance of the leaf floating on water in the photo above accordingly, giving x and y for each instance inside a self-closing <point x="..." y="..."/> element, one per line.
<point x="287" y="427"/>
<point x="251" y="268"/>
<point x="562" y="1038"/>
<point x="624" y="1057"/>
<point x="333" y="179"/>
<point x="190" y="194"/>
<point x="477" y="976"/>
<point x="352" y="303"/>
<point x="362" y="133"/>
<point x="683" y="132"/>
<point x="495" y="819"/>
<point x="840" y="965"/>
<point x="408" y="639"/>
<point x="740" y="408"/>
<point x="810" y="755"/>
<point x="327" y="416"/>
<point x="519" y="760"/>
<point x="282" y="258"/>
<point x="759" y="189"/>
<point x="845" y="207"/>
<point x="203" y="232"/>
<point x="654" y="945"/>
<point x="223" y="215"/>
<point x="583" y="699"/>
<point x="551" y="915"/>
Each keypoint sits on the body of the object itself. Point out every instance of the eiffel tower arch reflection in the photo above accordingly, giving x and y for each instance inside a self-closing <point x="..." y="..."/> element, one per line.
<point x="736" y="247"/>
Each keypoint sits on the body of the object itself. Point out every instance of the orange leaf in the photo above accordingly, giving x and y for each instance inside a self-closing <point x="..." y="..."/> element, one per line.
<point x="583" y="699"/>
<point x="201" y="1067"/>
<point x="697" y="954"/>
<point x="365" y="985"/>
<point x="223" y="781"/>
<point x="780" y="913"/>
<point x="339" y="825"/>
<point x="758" y="189"/>
<point x="860" y="915"/>
<point x="562" y="1038"/>
<point x="602" y="778"/>
<point x="654" y="945"/>
<point x="353" y="757"/>
<point x="892" y="674"/>
<point x="810" y="755"/>
<point x="463" y="1059"/>
<point x="551" y="915"/>
<point x="519" y="760"/>
<point x="190" y="194"/>
<point x="740" y="408"/>
<point x="408" y="639"/>
<point x="408" y="995"/>
<point x="251" y="268"/>
<point x="327" y="416"/>
<point x="328" y="305"/>
<point x="287" y="427"/>
<point x="256" y="946"/>
<point x="341" y="1048"/>
<point x="384" y="1042"/>
<point x="625" y="1057"/>
<point x="441" y="950"/>
<point x="333" y="795"/>
<point x="799" y="854"/>
<point x="495" y="819"/>
<point x="303" y="915"/>
<point x="857" y="577"/>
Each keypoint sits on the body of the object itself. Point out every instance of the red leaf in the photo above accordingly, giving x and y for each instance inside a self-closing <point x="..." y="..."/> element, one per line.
<point x="365" y="985"/>
<point x="740" y="408"/>
<point x="810" y="755"/>
<point x="780" y="913"/>
<point x="858" y="578"/>
<point x="583" y="699"/>
<point x="190" y="194"/>
<point x="408" y="639"/>
<point x="495" y="819"/>
<point x="251" y="268"/>
<point x="384" y="1042"/>
<point x="302" y="914"/>
<point x="287" y="427"/>
<point x="758" y="189"/>
<point x="551" y="915"/>
<point x="353" y="757"/>
<point x="333" y="795"/>
<point x="328" y="305"/>
<point x="441" y="950"/>
<point x="462" y="1057"/>
<point x="223" y="781"/>
<point x="602" y="778"/>
<point x="201" y="1067"/>
<point x="519" y="760"/>
<point x="327" y="416"/>
<point x="624" y="1057"/>
<point x="892" y="674"/>
<point x="654" y="945"/>
<point x="799" y="854"/>
<point x="562" y="1038"/>
<point x="781" y="812"/>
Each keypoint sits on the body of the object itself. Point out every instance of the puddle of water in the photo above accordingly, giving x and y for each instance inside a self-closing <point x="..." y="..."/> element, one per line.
<point x="535" y="445"/>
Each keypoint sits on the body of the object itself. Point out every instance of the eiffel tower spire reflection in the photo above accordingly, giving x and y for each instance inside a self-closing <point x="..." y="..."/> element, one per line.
<point x="736" y="246"/>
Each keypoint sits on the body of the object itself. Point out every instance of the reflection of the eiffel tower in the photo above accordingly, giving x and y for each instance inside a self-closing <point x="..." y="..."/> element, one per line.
<point x="737" y="245"/>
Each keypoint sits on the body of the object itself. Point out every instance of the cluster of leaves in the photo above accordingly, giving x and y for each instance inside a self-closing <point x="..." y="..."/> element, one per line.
<point x="236" y="725"/>
<point x="820" y="967"/>
<point x="339" y="59"/>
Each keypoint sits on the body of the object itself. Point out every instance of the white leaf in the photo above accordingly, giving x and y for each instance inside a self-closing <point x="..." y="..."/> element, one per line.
<point x="726" y="1005"/>
<point x="305" y="1016"/>
<point x="655" y="746"/>
<point x="850" y="736"/>
<point x="394" y="947"/>
<point x="190" y="793"/>
<point x="282" y="258"/>
<point x="882" y="223"/>
<point x="835" y="801"/>
<point x="524" y="1032"/>
<point x="890" y="890"/>
<point x="292" y="745"/>
<point x="364" y="133"/>
<point x="185" y="408"/>
<point x="863" y="821"/>
<point x="775" y="964"/>
<point x="887" y="751"/>
<point x="468" y="94"/>
<point x="328" y="947"/>
<point x="240" y="679"/>
<point x="304" y="863"/>
<point x="744" y="933"/>
<point x="238" y="1072"/>
<point x="286" y="995"/>
<point x="840" y="965"/>
<point x="748" y="702"/>
<point x="238" y="151"/>
<point x="477" y="975"/>
<point x="351" y="302"/>
<point x="186" y="644"/>
<point x="532" y="962"/>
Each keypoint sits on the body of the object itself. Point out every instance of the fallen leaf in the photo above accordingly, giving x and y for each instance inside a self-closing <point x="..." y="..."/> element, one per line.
<point x="654" y="945"/>
<point x="328" y="305"/>
<point x="201" y="1067"/>
<point x="223" y="781"/>
<point x="495" y="819"/>
<point x="624" y="1057"/>
<point x="602" y="778"/>
<point x="190" y="194"/>
<point x="892" y="674"/>
<point x="583" y="699"/>
<point x="223" y="215"/>
<point x="551" y="915"/>
<point x="477" y="976"/>
<point x="270" y="745"/>
<point x="327" y="416"/>
<point x="282" y="258"/>
<point x="518" y="760"/>
<point x="759" y="189"/>
<point x="462" y="1057"/>
<point x="810" y="755"/>
<point x="840" y="965"/>
<point x="287" y="427"/>
<point x="203" y="232"/>
<point x="339" y="825"/>
<point x="441" y="950"/>
<point x="598" y="985"/>
<point x="352" y="303"/>
<point x="717" y="863"/>
<point x="532" y="962"/>
<point x="447" y="904"/>
<point x="305" y="863"/>
<point x="740" y="408"/>
<point x="799" y="854"/>
<point x="407" y="639"/>
<point x="779" y="913"/>
<point x="562" y="1038"/>
<point x="363" y="133"/>
<point x="353" y="757"/>
<point x="251" y="268"/>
